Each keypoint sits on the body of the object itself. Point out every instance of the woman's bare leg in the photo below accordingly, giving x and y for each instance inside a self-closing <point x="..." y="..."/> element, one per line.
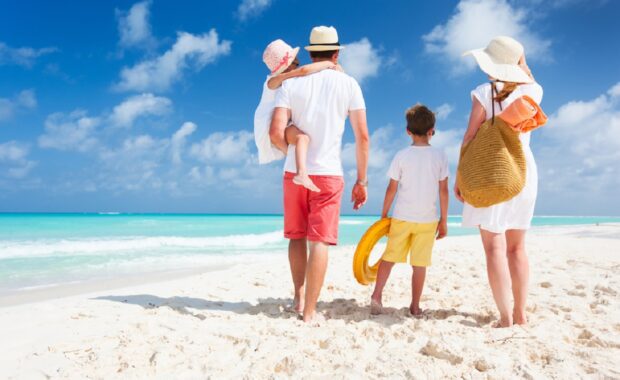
<point x="498" y="273"/>
<point x="519" y="273"/>
<point x="301" y="141"/>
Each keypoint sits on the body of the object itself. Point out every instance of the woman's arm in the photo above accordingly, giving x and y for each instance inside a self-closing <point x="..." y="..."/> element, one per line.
<point x="477" y="116"/>
<point x="390" y="192"/>
<point x="304" y="70"/>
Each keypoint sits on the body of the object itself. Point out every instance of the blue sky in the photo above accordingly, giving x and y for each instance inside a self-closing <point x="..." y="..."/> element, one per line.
<point x="148" y="106"/>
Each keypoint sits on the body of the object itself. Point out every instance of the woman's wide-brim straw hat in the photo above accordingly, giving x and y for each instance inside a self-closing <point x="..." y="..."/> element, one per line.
<point x="278" y="56"/>
<point x="324" y="38"/>
<point x="500" y="60"/>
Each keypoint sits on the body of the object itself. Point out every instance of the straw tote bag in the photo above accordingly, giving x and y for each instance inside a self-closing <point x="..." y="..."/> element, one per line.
<point x="492" y="167"/>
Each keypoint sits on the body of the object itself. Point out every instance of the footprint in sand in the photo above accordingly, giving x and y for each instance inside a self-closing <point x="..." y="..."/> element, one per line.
<point x="545" y="284"/>
<point x="606" y="290"/>
<point x="440" y="351"/>
<point x="576" y="293"/>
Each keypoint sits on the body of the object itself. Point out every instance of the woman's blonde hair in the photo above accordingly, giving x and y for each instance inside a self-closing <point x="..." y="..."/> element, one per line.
<point x="508" y="88"/>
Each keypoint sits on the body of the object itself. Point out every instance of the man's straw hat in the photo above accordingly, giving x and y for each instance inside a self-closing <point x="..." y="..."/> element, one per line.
<point x="324" y="38"/>
<point x="500" y="60"/>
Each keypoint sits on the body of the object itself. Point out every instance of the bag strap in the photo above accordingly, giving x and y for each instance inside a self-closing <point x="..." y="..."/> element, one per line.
<point x="493" y="94"/>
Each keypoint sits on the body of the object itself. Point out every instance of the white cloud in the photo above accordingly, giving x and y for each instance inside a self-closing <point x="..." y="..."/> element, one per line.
<point x="178" y="140"/>
<point x="443" y="111"/>
<point x="14" y="156"/>
<point x="160" y="73"/>
<point x="223" y="147"/>
<point x="474" y="24"/>
<point x="26" y="99"/>
<point x="134" y="27"/>
<point x="23" y="56"/>
<point x="252" y="8"/>
<point x="136" y="106"/>
<point x="145" y="154"/>
<point x="73" y="132"/>
<point x="360" y="60"/>
<point x="580" y="150"/>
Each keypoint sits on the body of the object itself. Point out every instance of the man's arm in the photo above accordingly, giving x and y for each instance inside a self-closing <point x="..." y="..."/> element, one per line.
<point x="362" y="147"/>
<point x="279" y="121"/>
<point x="390" y="193"/>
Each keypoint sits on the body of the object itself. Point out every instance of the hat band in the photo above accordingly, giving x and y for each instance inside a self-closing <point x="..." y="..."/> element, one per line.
<point x="330" y="44"/>
<point x="283" y="62"/>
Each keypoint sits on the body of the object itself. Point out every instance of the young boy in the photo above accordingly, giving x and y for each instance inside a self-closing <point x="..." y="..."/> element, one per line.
<point x="419" y="174"/>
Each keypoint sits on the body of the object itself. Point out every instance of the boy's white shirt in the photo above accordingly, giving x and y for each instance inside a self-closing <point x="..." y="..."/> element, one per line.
<point x="418" y="170"/>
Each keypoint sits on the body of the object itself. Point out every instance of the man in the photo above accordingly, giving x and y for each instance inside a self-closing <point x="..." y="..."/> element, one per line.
<point x="318" y="104"/>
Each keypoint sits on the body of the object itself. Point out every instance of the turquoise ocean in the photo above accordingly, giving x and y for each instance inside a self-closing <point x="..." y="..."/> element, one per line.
<point x="42" y="250"/>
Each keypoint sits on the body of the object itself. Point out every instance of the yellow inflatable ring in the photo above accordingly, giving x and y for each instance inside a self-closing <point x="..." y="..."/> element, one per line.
<point x="365" y="274"/>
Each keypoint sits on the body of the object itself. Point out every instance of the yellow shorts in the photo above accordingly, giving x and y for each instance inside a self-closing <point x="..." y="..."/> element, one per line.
<point x="413" y="239"/>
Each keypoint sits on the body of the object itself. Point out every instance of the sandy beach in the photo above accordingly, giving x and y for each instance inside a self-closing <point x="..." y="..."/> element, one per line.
<point x="234" y="322"/>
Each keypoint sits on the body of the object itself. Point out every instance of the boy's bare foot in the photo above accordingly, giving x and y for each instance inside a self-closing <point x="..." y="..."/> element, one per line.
<point x="376" y="307"/>
<point x="298" y="306"/>
<point x="305" y="181"/>
<point x="415" y="311"/>
<point x="502" y="323"/>
<point x="315" y="319"/>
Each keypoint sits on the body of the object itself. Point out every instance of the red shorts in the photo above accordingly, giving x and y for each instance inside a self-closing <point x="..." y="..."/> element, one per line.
<point x="312" y="215"/>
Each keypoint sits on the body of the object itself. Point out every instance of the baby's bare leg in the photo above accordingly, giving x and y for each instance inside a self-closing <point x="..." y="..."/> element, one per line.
<point x="301" y="141"/>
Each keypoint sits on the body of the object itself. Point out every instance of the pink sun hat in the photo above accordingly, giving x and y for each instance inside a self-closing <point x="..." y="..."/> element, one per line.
<point x="278" y="56"/>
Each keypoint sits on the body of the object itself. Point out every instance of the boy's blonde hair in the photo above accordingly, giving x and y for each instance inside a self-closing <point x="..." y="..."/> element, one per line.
<point x="420" y="119"/>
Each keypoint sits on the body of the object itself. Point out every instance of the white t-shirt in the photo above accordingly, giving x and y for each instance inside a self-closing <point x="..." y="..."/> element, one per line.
<point x="320" y="104"/>
<point x="418" y="170"/>
<point x="267" y="152"/>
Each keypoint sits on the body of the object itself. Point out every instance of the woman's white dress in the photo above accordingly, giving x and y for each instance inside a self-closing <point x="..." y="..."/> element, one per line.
<point x="517" y="213"/>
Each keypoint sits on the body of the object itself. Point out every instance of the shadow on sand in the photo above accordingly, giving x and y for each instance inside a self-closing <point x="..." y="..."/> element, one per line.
<point x="347" y="310"/>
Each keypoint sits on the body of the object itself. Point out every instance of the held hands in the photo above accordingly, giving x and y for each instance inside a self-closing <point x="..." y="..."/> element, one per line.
<point x="442" y="229"/>
<point x="359" y="196"/>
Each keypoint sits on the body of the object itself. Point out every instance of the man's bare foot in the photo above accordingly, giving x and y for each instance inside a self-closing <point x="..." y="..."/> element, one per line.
<point x="305" y="181"/>
<point x="415" y="310"/>
<point x="376" y="307"/>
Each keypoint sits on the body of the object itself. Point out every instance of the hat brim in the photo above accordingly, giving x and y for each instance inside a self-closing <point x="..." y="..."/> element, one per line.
<point x="500" y="71"/>
<point x="290" y="60"/>
<point x="323" y="47"/>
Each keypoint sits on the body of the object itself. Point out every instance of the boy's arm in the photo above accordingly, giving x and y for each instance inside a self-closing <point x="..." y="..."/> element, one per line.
<point x="390" y="192"/>
<point x="276" y="81"/>
<point x="442" y="227"/>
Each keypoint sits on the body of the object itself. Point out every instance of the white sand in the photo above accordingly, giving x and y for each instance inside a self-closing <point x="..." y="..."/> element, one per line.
<point x="232" y="323"/>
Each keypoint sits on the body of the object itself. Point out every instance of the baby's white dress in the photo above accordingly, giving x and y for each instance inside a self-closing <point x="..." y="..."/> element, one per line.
<point x="267" y="152"/>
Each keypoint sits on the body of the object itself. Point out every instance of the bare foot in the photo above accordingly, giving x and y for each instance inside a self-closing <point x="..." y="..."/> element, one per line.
<point x="415" y="310"/>
<point x="298" y="306"/>
<point x="305" y="181"/>
<point x="315" y="319"/>
<point x="519" y="318"/>
<point x="501" y="324"/>
<point x="376" y="307"/>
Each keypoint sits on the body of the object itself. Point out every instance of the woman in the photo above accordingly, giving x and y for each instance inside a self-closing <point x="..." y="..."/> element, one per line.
<point x="503" y="226"/>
